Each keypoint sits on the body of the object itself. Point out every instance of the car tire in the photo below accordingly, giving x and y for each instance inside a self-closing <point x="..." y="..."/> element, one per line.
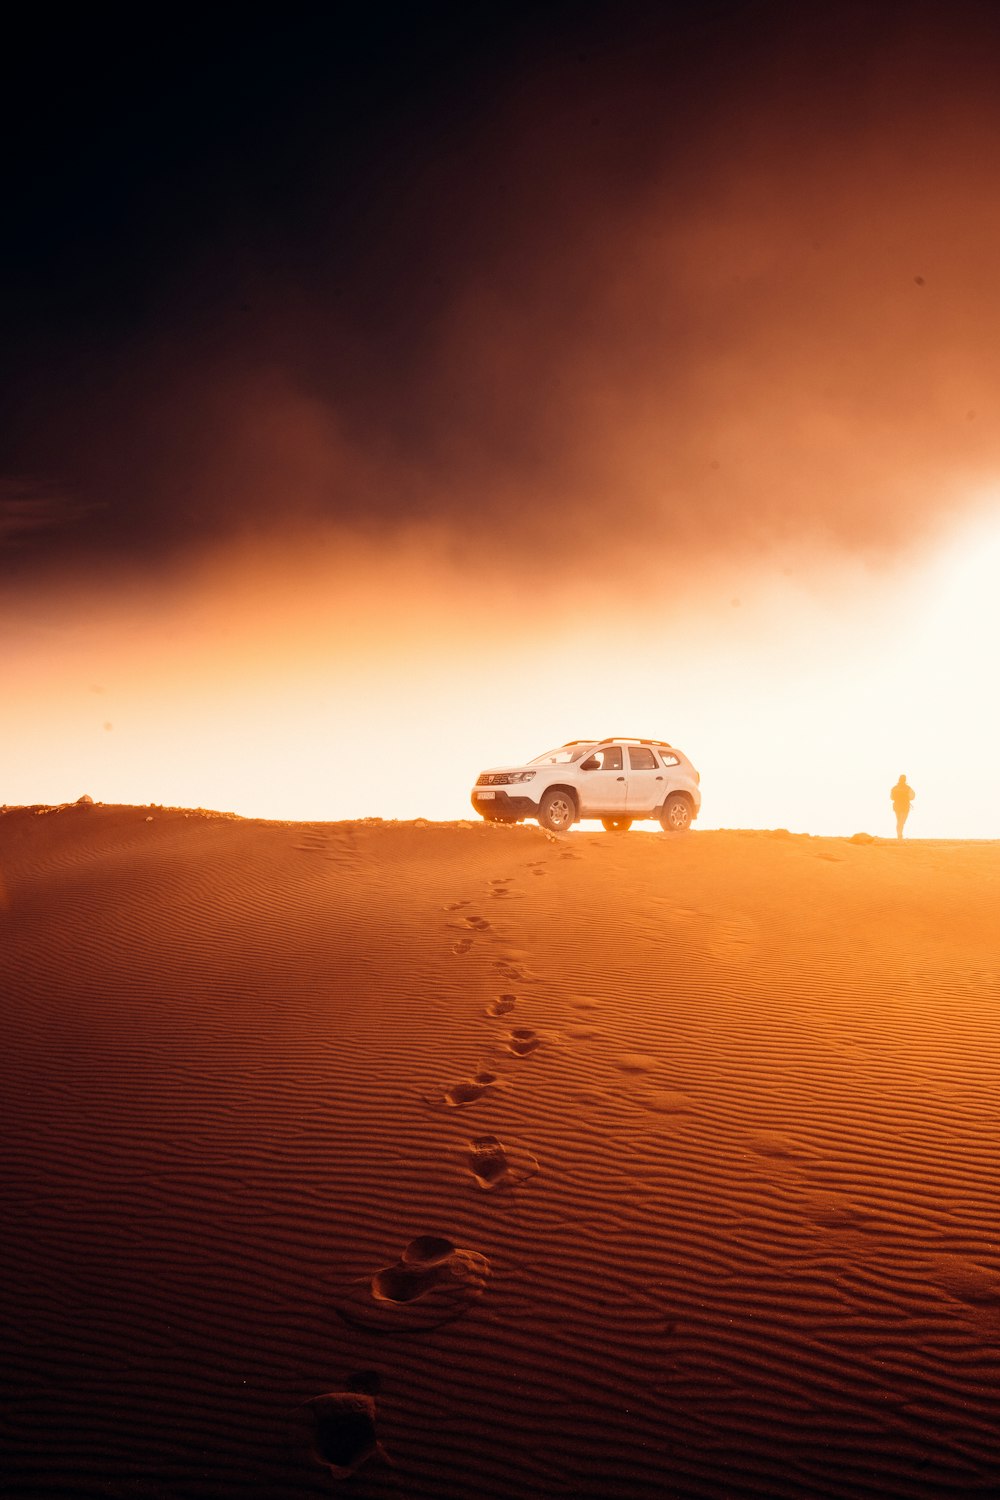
<point x="675" y="815"/>
<point x="557" y="810"/>
<point x="616" y="825"/>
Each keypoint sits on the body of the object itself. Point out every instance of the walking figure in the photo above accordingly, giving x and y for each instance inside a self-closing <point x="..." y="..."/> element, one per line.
<point x="902" y="795"/>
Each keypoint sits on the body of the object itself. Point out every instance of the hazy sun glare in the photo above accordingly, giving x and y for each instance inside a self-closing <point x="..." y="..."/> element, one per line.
<point x="288" y="688"/>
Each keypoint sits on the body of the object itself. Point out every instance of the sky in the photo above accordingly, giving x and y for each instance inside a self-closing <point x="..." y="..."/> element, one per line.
<point x="393" y="392"/>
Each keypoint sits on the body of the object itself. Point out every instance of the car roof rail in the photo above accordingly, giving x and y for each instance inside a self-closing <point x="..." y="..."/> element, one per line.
<point x="633" y="739"/>
<point x="619" y="739"/>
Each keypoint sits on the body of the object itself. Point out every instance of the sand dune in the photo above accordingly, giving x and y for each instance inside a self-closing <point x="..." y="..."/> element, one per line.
<point x="455" y="1161"/>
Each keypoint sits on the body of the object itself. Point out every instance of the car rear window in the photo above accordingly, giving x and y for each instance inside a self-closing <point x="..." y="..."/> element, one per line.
<point x="641" y="759"/>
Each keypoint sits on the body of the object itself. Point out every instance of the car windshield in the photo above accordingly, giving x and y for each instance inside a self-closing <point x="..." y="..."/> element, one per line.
<point x="564" y="756"/>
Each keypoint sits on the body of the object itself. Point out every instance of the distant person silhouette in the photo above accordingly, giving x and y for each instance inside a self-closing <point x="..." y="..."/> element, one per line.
<point x="902" y="795"/>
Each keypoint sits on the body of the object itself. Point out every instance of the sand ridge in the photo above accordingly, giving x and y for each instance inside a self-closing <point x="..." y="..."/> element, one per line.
<point x="624" y="1165"/>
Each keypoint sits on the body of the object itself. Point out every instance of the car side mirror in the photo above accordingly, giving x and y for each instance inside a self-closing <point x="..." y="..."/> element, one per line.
<point x="590" y="764"/>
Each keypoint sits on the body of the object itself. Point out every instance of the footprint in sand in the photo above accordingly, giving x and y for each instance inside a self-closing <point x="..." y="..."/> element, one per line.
<point x="585" y="1002"/>
<point x="494" y="1165"/>
<point x="502" y="887"/>
<point x="834" y="1210"/>
<point x="479" y="923"/>
<point x="462" y="946"/>
<point x="636" y="1062"/>
<point x="666" y="1102"/>
<point x="432" y="1282"/>
<point x="967" y="1281"/>
<point x="508" y="970"/>
<point x="775" y="1146"/>
<point x="522" y="1041"/>
<point x="465" y="1092"/>
<point x="457" y="905"/>
<point x="502" y="1005"/>
<point x="344" y="1435"/>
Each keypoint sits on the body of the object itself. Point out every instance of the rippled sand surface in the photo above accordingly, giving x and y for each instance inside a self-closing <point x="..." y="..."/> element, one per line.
<point x="453" y="1161"/>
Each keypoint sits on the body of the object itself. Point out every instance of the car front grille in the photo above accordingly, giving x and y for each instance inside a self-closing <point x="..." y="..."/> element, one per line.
<point x="492" y="778"/>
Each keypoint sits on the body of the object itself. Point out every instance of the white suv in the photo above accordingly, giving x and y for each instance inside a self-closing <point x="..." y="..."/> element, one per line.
<point x="616" y="779"/>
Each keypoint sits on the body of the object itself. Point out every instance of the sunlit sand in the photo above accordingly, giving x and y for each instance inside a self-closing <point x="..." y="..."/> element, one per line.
<point x="463" y="1161"/>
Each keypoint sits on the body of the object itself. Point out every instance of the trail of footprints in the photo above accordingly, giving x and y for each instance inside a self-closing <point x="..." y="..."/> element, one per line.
<point x="518" y="1041"/>
<point x="433" y="1280"/>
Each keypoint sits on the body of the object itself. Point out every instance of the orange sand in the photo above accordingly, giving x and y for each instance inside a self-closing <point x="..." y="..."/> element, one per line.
<point x="601" y="1166"/>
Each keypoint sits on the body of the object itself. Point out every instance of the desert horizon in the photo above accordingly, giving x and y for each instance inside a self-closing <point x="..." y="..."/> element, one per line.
<point x="582" y="826"/>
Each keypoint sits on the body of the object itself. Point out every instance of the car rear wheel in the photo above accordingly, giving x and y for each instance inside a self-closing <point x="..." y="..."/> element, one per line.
<point x="616" y="825"/>
<point x="557" y="811"/>
<point x="676" y="814"/>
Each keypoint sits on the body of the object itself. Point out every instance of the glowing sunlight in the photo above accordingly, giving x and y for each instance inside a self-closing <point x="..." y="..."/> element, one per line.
<point x="799" y="705"/>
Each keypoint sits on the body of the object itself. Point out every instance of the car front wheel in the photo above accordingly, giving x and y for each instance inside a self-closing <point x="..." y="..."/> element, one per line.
<point x="616" y="825"/>
<point x="676" y="814"/>
<point x="557" y="811"/>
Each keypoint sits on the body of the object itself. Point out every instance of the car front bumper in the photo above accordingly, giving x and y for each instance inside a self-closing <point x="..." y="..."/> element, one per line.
<point x="498" y="806"/>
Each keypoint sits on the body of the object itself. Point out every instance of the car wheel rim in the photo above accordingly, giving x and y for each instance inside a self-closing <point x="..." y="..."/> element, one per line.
<point x="559" y="813"/>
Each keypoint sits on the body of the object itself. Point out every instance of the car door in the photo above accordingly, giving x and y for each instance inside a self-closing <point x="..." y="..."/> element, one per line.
<point x="601" y="783"/>
<point x="646" y="781"/>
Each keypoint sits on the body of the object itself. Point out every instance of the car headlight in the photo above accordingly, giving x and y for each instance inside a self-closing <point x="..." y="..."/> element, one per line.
<point x="521" y="776"/>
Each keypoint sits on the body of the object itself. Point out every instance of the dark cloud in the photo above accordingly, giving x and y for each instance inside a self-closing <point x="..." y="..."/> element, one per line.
<point x="31" y="512"/>
<point x="695" y="282"/>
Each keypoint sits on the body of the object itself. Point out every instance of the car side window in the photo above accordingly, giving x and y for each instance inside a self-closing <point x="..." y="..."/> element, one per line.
<point x="608" y="759"/>
<point x="669" y="758"/>
<point x="641" y="759"/>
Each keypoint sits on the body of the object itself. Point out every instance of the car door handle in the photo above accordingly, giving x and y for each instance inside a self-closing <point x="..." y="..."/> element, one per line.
<point x="659" y="778"/>
<point x="620" y="778"/>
